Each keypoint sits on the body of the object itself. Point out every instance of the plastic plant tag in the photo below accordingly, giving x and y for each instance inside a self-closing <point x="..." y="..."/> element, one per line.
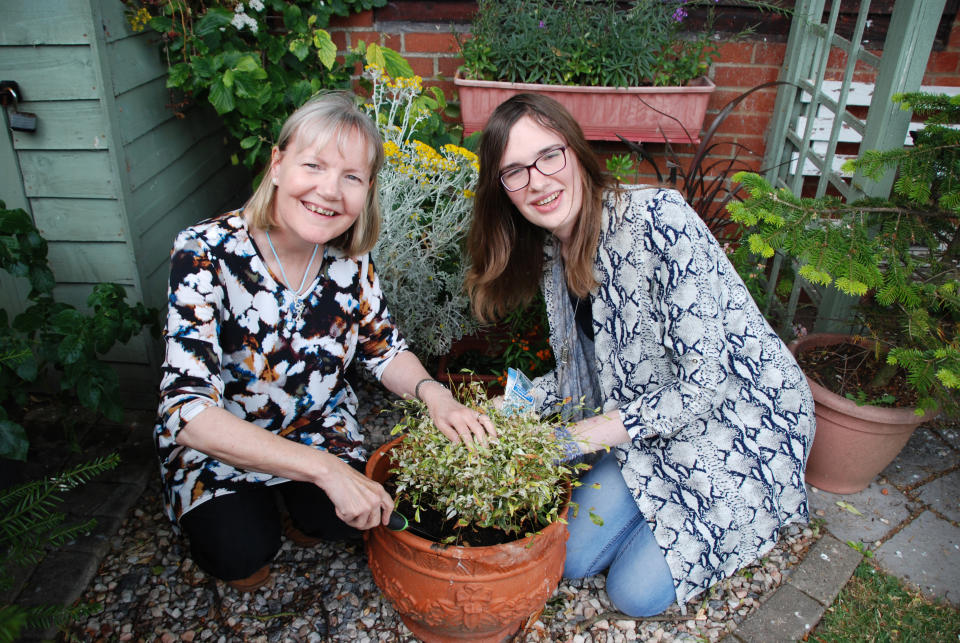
<point x="517" y="395"/>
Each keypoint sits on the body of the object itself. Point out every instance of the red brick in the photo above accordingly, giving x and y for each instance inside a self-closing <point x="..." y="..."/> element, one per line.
<point x="943" y="62"/>
<point x="948" y="80"/>
<point x="864" y="77"/>
<point x="447" y="67"/>
<point x="339" y="39"/>
<point x="837" y="60"/>
<point x="433" y="42"/>
<point x="743" y="76"/>
<point x="761" y="101"/>
<point x="750" y="124"/>
<point x="422" y="66"/>
<point x="769" y="53"/>
<point x="735" y="52"/>
<point x="367" y="37"/>
<point x="362" y="19"/>
<point x="953" y="42"/>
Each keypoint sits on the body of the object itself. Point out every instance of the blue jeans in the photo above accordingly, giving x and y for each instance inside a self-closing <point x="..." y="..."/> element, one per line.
<point x="638" y="581"/>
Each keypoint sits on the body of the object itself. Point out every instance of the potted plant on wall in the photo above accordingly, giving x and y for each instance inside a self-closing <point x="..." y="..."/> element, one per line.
<point x="491" y="534"/>
<point x="619" y="68"/>
<point x="900" y="256"/>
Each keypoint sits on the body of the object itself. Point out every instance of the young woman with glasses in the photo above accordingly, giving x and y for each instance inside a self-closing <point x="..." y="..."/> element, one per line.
<point x="707" y="418"/>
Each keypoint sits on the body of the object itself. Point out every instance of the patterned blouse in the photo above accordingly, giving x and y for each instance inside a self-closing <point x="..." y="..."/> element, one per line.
<point x="719" y="415"/>
<point x="238" y="339"/>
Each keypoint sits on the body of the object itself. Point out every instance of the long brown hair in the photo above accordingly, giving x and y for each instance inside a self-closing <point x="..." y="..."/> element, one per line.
<point x="330" y="115"/>
<point x="506" y="250"/>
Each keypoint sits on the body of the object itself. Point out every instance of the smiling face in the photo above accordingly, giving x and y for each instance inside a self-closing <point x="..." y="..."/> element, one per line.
<point x="551" y="202"/>
<point x="321" y="188"/>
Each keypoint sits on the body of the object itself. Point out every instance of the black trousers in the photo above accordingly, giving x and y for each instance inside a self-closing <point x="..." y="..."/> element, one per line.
<point x="234" y="535"/>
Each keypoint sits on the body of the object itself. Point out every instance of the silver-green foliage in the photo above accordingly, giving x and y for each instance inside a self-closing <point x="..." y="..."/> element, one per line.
<point x="514" y="483"/>
<point x="426" y="198"/>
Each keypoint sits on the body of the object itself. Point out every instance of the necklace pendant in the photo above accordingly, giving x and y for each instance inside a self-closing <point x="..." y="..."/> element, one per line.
<point x="298" y="307"/>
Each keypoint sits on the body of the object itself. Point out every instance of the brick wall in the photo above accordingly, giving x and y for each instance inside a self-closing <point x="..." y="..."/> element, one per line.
<point x="431" y="49"/>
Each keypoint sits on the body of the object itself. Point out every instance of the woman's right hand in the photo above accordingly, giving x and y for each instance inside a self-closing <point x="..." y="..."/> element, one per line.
<point x="360" y="502"/>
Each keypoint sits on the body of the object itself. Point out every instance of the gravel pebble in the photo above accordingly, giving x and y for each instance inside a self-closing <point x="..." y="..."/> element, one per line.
<point x="148" y="589"/>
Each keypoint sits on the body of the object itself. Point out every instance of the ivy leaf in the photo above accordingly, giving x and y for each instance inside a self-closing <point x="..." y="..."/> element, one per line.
<point x="595" y="519"/>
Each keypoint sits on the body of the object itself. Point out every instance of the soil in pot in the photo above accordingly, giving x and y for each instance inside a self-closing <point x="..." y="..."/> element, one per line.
<point x="855" y="373"/>
<point x="434" y="525"/>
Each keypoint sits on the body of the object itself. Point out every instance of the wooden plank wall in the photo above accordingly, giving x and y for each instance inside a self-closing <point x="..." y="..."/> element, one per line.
<point x="111" y="174"/>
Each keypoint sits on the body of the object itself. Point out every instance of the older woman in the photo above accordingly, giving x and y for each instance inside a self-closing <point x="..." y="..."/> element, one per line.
<point x="706" y="415"/>
<point x="268" y="305"/>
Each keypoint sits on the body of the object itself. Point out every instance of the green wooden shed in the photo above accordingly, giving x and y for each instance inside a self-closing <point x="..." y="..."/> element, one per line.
<point x="111" y="174"/>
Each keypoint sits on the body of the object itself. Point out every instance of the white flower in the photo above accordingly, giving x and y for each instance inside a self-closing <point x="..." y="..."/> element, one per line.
<point x="256" y="5"/>
<point x="241" y="20"/>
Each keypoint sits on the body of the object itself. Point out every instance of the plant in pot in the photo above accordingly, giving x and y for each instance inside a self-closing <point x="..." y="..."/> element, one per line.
<point x="619" y="68"/>
<point x="900" y="256"/>
<point x="426" y="197"/>
<point x="491" y="534"/>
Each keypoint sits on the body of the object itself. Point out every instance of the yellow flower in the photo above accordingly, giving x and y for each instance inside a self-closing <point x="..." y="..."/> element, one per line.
<point x="140" y="19"/>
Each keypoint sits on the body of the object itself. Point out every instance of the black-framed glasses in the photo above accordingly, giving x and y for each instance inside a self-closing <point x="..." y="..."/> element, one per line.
<point x="550" y="162"/>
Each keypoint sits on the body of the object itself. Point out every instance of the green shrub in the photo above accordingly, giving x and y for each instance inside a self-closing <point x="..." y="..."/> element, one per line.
<point x="53" y="338"/>
<point x="257" y="61"/>
<point x="513" y="484"/>
<point x="899" y="255"/>
<point x="28" y="526"/>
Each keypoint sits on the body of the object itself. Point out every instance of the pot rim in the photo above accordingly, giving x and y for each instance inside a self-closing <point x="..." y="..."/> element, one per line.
<point x="699" y="85"/>
<point x="822" y="395"/>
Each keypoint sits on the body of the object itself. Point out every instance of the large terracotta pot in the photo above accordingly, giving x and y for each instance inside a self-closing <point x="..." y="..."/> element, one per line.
<point x="852" y="443"/>
<point x="449" y="593"/>
<point x="638" y="114"/>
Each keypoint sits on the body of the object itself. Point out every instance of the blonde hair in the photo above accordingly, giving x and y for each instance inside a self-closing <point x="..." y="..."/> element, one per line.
<point x="331" y="115"/>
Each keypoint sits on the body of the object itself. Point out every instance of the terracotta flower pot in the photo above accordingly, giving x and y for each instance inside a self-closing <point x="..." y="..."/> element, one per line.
<point x="852" y="443"/>
<point x="450" y="593"/>
<point x="639" y="114"/>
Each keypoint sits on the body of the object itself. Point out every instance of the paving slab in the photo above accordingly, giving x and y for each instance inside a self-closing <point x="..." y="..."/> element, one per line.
<point x="926" y="554"/>
<point x="925" y="455"/>
<point x="786" y="616"/>
<point x="825" y="569"/>
<point x="950" y="434"/>
<point x="943" y="494"/>
<point x="881" y="508"/>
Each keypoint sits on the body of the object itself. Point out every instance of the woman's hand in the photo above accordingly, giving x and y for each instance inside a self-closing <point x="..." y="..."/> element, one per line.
<point x="360" y="502"/>
<point x="406" y="377"/>
<point x="458" y="422"/>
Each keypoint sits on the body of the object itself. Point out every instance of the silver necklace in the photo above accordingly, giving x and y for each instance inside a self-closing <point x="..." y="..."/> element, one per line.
<point x="298" y="305"/>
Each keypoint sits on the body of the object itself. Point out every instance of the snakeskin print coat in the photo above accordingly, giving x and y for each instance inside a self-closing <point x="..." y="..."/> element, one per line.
<point x="719" y="415"/>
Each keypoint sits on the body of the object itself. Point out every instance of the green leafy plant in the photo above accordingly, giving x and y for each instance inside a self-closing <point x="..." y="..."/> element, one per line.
<point x="54" y="338"/>
<point x="426" y="197"/>
<point x="28" y="526"/>
<point x="899" y="255"/>
<point x="255" y="61"/>
<point x="587" y="42"/>
<point x="514" y="485"/>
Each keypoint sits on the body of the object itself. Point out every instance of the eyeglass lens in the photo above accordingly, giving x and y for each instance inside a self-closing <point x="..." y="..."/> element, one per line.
<point x="550" y="162"/>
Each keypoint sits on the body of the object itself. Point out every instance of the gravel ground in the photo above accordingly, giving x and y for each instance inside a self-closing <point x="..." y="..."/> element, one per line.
<point x="148" y="589"/>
